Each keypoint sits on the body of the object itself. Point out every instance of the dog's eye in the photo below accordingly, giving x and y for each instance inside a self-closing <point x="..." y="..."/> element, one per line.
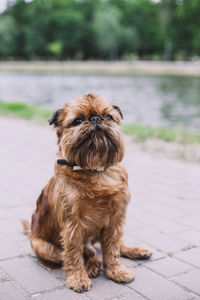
<point x="78" y="121"/>
<point x="109" y="117"/>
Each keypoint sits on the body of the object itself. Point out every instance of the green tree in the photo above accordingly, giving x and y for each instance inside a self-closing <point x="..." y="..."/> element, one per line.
<point x="8" y="36"/>
<point x="65" y="26"/>
<point x="108" y="30"/>
<point x="142" y="16"/>
<point x="167" y="24"/>
<point x="100" y="29"/>
<point x="187" y="33"/>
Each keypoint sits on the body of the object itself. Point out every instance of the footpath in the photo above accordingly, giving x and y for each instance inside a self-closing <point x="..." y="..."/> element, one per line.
<point x="164" y="214"/>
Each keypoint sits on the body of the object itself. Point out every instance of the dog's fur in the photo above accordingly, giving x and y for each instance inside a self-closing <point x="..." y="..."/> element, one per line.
<point x="79" y="208"/>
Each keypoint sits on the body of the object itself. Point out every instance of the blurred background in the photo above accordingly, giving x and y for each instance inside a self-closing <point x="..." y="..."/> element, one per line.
<point x="100" y="29"/>
<point x="141" y="54"/>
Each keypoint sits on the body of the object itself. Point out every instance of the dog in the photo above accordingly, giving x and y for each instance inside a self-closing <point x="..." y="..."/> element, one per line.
<point x="85" y="201"/>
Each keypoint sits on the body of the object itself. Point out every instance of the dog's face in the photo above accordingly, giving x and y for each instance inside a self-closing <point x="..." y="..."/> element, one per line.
<point x="88" y="132"/>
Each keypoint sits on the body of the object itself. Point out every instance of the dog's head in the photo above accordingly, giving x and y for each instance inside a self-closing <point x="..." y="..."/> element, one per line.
<point x="88" y="132"/>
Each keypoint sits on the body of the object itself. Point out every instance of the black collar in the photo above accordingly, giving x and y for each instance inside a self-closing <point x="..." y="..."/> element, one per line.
<point x="64" y="162"/>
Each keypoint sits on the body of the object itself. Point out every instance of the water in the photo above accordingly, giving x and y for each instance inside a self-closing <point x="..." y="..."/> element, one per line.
<point x="148" y="100"/>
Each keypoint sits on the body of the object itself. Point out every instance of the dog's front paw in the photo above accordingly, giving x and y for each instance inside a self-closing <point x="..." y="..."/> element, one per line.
<point x="78" y="282"/>
<point x="135" y="252"/>
<point x="120" y="273"/>
<point x="93" y="266"/>
<point x="143" y="252"/>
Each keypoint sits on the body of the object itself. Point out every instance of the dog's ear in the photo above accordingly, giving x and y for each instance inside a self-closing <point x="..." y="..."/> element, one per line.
<point x="119" y="110"/>
<point x="54" y="118"/>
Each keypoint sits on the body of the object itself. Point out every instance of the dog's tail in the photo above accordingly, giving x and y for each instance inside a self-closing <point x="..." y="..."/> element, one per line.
<point x="27" y="226"/>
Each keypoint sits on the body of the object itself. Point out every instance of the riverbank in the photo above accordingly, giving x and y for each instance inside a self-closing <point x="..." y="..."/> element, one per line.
<point x="178" y="68"/>
<point x="172" y="142"/>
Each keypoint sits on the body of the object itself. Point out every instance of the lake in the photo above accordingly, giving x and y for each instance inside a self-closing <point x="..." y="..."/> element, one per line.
<point x="148" y="100"/>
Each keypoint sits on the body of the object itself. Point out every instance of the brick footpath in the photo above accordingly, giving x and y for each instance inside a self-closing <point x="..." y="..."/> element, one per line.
<point x="164" y="214"/>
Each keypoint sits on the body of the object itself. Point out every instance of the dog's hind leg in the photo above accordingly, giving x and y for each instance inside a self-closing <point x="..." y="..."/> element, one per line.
<point x="46" y="251"/>
<point x="43" y="249"/>
<point x="92" y="265"/>
<point x="134" y="252"/>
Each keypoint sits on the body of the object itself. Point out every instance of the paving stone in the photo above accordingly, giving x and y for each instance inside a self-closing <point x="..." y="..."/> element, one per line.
<point x="8" y="291"/>
<point x="155" y="287"/>
<point x="159" y="240"/>
<point x="133" y="210"/>
<point x="191" y="221"/>
<point x="59" y="273"/>
<point x="9" y="248"/>
<point x="192" y="207"/>
<point x="104" y="288"/>
<point x="127" y="296"/>
<point x="191" y="256"/>
<point x="190" y="280"/>
<point x="60" y="294"/>
<point x="156" y="255"/>
<point x="131" y="225"/>
<point x="164" y="210"/>
<point x="30" y="275"/>
<point x="191" y="236"/>
<point x="13" y="229"/>
<point x="168" y="266"/>
<point x="3" y="276"/>
<point x="17" y="213"/>
<point x="26" y="246"/>
<point x="160" y="223"/>
<point x="130" y="240"/>
<point x="7" y="199"/>
<point x="129" y="262"/>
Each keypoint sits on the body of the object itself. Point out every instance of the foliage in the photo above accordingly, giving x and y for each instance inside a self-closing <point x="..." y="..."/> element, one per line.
<point x="8" y="36"/>
<point x="55" y="48"/>
<point x="100" y="29"/>
<point x="108" y="29"/>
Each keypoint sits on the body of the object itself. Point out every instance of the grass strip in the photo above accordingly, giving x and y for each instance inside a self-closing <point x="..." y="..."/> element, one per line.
<point x="24" y="111"/>
<point x="179" y="135"/>
<point x="139" y="132"/>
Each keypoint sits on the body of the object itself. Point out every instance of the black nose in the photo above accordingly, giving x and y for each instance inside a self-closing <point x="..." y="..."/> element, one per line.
<point x="95" y="120"/>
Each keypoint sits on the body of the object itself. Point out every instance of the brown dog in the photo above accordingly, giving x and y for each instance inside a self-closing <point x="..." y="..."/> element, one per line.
<point x="85" y="201"/>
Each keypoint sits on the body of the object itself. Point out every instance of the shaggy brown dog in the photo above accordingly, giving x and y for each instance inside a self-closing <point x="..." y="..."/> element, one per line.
<point x="85" y="201"/>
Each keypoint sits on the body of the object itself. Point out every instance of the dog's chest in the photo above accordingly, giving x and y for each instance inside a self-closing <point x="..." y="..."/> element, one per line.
<point x="97" y="213"/>
<point x="101" y="203"/>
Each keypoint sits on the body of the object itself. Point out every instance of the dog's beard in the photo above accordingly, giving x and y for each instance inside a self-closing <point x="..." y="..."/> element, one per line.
<point x="93" y="147"/>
